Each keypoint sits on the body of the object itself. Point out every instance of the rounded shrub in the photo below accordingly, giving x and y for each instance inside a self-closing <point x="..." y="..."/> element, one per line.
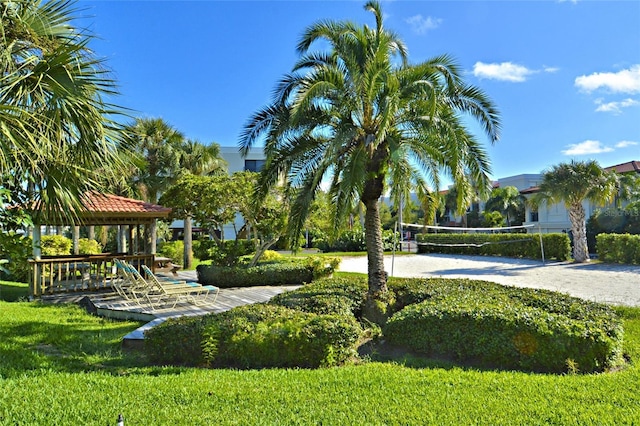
<point x="506" y="327"/>
<point x="55" y="245"/>
<point x="342" y="296"/>
<point x="89" y="246"/>
<point x="255" y="336"/>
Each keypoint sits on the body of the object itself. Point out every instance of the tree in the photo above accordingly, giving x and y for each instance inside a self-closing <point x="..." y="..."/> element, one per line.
<point x="362" y="118"/>
<point x="509" y="202"/>
<point x="56" y="124"/>
<point x="572" y="184"/>
<point x="158" y="145"/>
<point x="200" y="160"/>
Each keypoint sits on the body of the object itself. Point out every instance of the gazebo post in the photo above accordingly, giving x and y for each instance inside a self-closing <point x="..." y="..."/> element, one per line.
<point x="130" y="240"/>
<point x="153" y="236"/>
<point x="76" y="240"/>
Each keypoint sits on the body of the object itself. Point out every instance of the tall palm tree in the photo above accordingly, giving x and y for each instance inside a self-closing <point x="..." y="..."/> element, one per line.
<point x="200" y="159"/>
<point x="158" y="144"/>
<point x="506" y="200"/>
<point x="360" y="116"/>
<point x="572" y="184"/>
<point x="56" y="123"/>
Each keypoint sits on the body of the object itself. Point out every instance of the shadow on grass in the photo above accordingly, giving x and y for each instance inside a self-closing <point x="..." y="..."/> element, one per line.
<point x="70" y="343"/>
<point x="13" y="292"/>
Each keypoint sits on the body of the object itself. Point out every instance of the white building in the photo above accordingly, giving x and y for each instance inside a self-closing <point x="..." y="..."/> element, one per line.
<point x="555" y="217"/>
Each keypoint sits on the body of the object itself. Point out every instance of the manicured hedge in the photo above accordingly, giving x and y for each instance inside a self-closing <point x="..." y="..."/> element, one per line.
<point x="506" y="327"/>
<point x="343" y="296"/>
<point x="556" y="246"/>
<point x="618" y="248"/>
<point x="289" y="272"/>
<point x="255" y="336"/>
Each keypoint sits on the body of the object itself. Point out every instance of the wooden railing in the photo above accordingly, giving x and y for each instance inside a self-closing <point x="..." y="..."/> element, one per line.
<point x="59" y="274"/>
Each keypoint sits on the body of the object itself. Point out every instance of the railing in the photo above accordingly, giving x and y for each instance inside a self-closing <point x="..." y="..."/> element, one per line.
<point x="59" y="274"/>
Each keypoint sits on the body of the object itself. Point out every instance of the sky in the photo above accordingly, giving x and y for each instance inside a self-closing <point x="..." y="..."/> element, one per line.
<point x="565" y="75"/>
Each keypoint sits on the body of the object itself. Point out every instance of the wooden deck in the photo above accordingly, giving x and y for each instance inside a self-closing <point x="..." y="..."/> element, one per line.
<point x="109" y="304"/>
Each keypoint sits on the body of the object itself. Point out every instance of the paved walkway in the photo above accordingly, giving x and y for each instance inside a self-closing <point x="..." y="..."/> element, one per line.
<point x="600" y="282"/>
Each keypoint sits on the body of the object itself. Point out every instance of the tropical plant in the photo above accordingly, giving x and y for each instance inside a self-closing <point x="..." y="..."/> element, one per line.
<point x="158" y="145"/>
<point x="509" y="202"/>
<point x="56" y="124"/>
<point x="572" y="184"/>
<point x="361" y="118"/>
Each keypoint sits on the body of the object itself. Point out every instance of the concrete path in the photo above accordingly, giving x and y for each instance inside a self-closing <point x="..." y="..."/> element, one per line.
<point x="600" y="282"/>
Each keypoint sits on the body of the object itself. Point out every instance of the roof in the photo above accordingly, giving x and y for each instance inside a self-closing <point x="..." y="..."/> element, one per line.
<point x="530" y="190"/>
<point x="629" y="166"/>
<point x="108" y="209"/>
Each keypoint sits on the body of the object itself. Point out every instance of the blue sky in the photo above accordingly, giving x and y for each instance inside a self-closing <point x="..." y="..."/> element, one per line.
<point x="565" y="75"/>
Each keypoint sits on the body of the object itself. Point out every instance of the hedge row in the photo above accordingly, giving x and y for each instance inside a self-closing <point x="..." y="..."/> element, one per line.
<point x="296" y="271"/>
<point x="618" y="248"/>
<point x="255" y="336"/>
<point x="506" y="327"/>
<point x="556" y="246"/>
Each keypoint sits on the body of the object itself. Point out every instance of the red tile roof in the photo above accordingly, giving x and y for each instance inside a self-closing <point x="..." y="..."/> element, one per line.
<point x="108" y="203"/>
<point x="630" y="166"/>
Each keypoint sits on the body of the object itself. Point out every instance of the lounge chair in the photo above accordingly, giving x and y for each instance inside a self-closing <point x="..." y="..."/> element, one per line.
<point x="192" y="292"/>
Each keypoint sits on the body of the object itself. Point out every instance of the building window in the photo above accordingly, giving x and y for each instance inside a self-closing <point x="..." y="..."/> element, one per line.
<point x="253" y="165"/>
<point x="533" y="216"/>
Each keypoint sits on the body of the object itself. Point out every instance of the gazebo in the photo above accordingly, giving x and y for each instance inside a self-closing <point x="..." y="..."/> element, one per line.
<point x="51" y="274"/>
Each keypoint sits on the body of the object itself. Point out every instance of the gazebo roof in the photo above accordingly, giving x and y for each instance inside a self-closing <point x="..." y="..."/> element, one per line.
<point x="108" y="209"/>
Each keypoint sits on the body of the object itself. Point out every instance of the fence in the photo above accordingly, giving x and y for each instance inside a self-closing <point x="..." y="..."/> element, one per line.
<point x="59" y="274"/>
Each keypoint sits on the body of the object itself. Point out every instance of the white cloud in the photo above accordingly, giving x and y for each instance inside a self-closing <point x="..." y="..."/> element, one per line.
<point x="624" y="81"/>
<point x="615" y="107"/>
<point x="551" y="69"/>
<point x="421" y="25"/>
<point x="587" y="147"/>
<point x="505" y="71"/>
<point x="626" y="144"/>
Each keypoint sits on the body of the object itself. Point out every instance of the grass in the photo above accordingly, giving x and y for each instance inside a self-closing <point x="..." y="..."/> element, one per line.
<point x="12" y="291"/>
<point x="59" y="365"/>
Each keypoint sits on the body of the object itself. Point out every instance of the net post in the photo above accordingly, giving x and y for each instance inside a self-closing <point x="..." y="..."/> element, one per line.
<point x="541" y="244"/>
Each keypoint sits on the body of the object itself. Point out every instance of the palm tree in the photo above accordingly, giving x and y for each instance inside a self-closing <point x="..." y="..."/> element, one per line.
<point x="201" y="160"/>
<point x="508" y="201"/>
<point x="573" y="183"/>
<point x="158" y="144"/>
<point x="56" y="124"/>
<point x="362" y="118"/>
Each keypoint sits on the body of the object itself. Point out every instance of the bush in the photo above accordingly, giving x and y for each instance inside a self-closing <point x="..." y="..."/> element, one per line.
<point x="613" y="221"/>
<point x="616" y="248"/>
<point x="55" y="245"/>
<point x="556" y="246"/>
<point x="255" y="336"/>
<point x="224" y="253"/>
<point x="173" y="250"/>
<point x="354" y="240"/>
<point x="87" y="246"/>
<point x="16" y="249"/>
<point x="341" y="296"/>
<point x="289" y="272"/>
<point x="506" y="327"/>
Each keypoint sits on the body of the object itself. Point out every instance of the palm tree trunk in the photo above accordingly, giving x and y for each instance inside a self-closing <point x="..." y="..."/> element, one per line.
<point x="577" y="217"/>
<point x="188" y="243"/>
<point x="377" y="279"/>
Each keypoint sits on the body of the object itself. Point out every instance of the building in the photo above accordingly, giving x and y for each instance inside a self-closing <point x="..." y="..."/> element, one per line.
<point x="253" y="161"/>
<point x="555" y="217"/>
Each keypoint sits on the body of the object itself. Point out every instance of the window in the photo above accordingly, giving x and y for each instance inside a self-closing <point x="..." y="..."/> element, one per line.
<point x="253" y="165"/>
<point x="533" y="216"/>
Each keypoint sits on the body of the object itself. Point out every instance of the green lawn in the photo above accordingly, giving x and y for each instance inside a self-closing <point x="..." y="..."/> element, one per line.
<point x="59" y="365"/>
